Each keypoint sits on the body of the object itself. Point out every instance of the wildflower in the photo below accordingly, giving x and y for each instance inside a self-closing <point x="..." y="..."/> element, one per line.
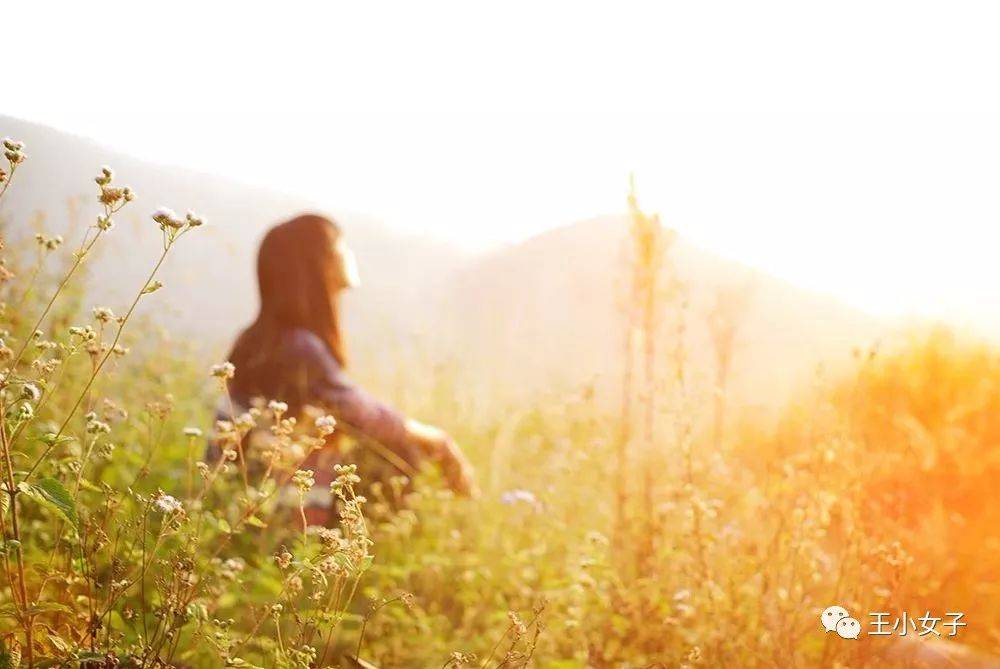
<point x="30" y="392"/>
<point x="346" y="476"/>
<point x="167" y="219"/>
<point x="14" y="151"/>
<point x="25" y="412"/>
<point x="277" y="407"/>
<point x="110" y="196"/>
<point x="458" y="658"/>
<point x="193" y="220"/>
<point x="167" y="503"/>
<point x="283" y="559"/>
<point x="224" y="370"/>
<point x="105" y="177"/>
<point x="192" y="432"/>
<point x="326" y="425"/>
<point x="95" y="426"/>
<point x="105" y="223"/>
<point x="85" y="333"/>
<point x="232" y="568"/>
<point x="303" y="480"/>
<point x="49" y="243"/>
<point x="103" y="314"/>
<point x="515" y="621"/>
<point x="512" y="497"/>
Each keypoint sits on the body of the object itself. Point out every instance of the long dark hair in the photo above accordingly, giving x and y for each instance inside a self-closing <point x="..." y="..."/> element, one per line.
<point x="299" y="275"/>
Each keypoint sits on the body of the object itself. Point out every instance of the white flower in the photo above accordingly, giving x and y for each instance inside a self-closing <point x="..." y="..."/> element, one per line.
<point x="167" y="219"/>
<point x="103" y="314"/>
<point x="164" y="212"/>
<point x="512" y="497"/>
<point x="194" y="220"/>
<point x="167" y="503"/>
<point x="326" y="425"/>
<point x="192" y="432"/>
<point x="277" y="407"/>
<point x="30" y="392"/>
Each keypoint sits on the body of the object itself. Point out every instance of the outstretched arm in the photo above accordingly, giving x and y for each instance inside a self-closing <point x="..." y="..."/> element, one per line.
<point x="410" y="439"/>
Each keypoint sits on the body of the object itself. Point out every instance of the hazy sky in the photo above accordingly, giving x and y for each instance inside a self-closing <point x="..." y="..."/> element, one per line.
<point x="852" y="148"/>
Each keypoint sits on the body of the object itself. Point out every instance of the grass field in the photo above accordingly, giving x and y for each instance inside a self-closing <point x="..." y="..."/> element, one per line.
<point x="668" y="530"/>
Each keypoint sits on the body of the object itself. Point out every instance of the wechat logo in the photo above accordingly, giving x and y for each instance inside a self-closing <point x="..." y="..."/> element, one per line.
<point x="837" y="619"/>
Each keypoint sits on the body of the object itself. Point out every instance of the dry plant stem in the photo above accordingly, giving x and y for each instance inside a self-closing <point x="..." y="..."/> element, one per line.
<point x="239" y="444"/>
<point x="100" y="365"/>
<point x="11" y="579"/>
<point x="364" y="623"/>
<point x="624" y="435"/>
<point x="81" y="254"/>
<point x="24" y="616"/>
<point x="10" y="178"/>
<point x="334" y="632"/>
<point x="31" y="281"/>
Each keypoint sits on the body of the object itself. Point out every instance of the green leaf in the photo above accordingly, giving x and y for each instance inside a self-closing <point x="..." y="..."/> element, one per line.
<point x="51" y="438"/>
<point x="256" y="522"/>
<point x="52" y="495"/>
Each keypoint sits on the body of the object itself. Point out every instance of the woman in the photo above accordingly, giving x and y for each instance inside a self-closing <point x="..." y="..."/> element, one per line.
<point x="294" y="351"/>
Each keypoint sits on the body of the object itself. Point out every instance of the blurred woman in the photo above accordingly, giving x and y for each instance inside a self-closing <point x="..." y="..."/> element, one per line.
<point x="294" y="352"/>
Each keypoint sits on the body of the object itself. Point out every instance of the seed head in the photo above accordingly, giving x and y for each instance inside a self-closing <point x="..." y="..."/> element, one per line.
<point x="326" y="425"/>
<point x="103" y="314"/>
<point x="30" y="392"/>
<point x="224" y="370"/>
<point x="166" y="503"/>
<point x="167" y="219"/>
<point x="303" y="480"/>
<point x="110" y="196"/>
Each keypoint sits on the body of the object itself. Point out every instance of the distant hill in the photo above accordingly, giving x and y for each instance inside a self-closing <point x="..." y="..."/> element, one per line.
<point x="211" y="279"/>
<point x="543" y="315"/>
<point x="551" y="307"/>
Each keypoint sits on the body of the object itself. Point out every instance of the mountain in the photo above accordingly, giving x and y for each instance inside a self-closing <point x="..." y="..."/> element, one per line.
<point x="553" y="308"/>
<point x="540" y="316"/>
<point x="210" y="278"/>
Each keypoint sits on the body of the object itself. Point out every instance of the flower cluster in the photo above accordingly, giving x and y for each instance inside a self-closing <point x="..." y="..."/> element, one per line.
<point x="173" y="226"/>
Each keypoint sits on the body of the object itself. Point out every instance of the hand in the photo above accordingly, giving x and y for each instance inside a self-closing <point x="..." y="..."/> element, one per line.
<point x="438" y="445"/>
<point x="457" y="470"/>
